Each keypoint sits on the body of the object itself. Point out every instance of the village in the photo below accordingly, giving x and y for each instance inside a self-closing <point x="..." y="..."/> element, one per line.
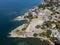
<point x="42" y="21"/>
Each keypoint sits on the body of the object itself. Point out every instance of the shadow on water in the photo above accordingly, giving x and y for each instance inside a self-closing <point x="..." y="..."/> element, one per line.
<point x="10" y="9"/>
<point x="25" y="41"/>
<point x="36" y="41"/>
<point x="4" y="40"/>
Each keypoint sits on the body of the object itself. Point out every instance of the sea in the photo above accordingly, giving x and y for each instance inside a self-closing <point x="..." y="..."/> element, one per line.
<point x="10" y="9"/>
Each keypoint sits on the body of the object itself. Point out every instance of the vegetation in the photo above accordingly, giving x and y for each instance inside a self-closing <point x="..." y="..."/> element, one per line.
<point x="30" y="15"/>
<point x="38" y="26"/>
<point x="57" y="12"/>
<point x="35" y="34"/>
<point x="57" y="25"/>
<point x="42" y="6"/>
<point x="48" y="5"/>
<point x="35" y="16"/>
<point x="42" y="34"/>
<point x="17" y="30"/>
<point x="26" y="17"/>
<point x="45" y="5"/>
<point x="58" y="5"/>
<point x="46" y="41"/>
<point x="52" y="39"/>
<point x="43" y="26"/>
<point x="47" y="34"/>
<point x="53" y="13"/>
<point x="23" y="29"/>
<point x="48" y="23"/>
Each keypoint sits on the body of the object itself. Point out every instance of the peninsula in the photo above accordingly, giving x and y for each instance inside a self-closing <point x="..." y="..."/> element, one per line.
<point x="43" y="22"/>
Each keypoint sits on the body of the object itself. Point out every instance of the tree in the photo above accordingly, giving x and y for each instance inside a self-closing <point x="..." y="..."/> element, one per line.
<point x="25" y="16"/>
<point x="48" y="33"/>
<point x="17" y="30"/>
<point x="30" y="15"/>
<point x="23" y="29"/>
<point x="38" y="26"/>
<point x="57" y="25"/>
<point x="35" y="16"/>
<point x="42" y="34"/>
<point x="48" y="23"/>
<point x="35" y="34"/>
<point x="52" y="39"/>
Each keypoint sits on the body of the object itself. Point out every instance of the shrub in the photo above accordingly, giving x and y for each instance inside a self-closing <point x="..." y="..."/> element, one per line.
<point x="17" y="30"/>
<point x="35" y="34"/>
<point x="23" y="29"/>
<point x="48" y="23"/>
<point x="26" y="17"/>
<point x="48" y="33"/>
<point x="57" y="25"/>
<point x="52" y="39"/>
<point x="42" y="34"/>
<point x="35" y="16"/>
<point x="38" y="26"/>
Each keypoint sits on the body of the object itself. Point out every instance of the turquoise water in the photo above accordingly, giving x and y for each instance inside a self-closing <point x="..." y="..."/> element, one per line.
<point x="9" y="9"/>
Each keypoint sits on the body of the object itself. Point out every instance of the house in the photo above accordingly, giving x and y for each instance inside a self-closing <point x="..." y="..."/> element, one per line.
<point x="34" y="14"/>
<point x="55" y="33"/>
<point x="58" y="10"/>
<point x="53" y="25"/>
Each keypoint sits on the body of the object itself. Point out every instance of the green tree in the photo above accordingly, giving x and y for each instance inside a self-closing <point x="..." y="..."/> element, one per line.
<point x="23" y="29"/>
<point x="48" y="33"/>
<point x="38" y="26"/>
<point x="48" y="23"/>
<point x="17" y="30"/>
<point x="52" y="39"/>
<point x="57" y="25"/>
<point x="26" y="17"/>
<point x="35" y="34"/>
<point x="42" y="34"/>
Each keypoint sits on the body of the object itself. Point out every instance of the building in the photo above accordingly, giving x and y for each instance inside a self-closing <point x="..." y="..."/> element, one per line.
<point x="55" y="33"/>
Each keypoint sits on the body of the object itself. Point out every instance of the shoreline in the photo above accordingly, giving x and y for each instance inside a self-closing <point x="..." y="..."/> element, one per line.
<point x="29" y="29"/>
<point x="14" y="35"/>
<point x="20" y="27"/>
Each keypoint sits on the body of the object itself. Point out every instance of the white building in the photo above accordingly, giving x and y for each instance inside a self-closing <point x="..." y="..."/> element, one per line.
<point x="34" y="14"/>
<point x="55" y="33"/>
